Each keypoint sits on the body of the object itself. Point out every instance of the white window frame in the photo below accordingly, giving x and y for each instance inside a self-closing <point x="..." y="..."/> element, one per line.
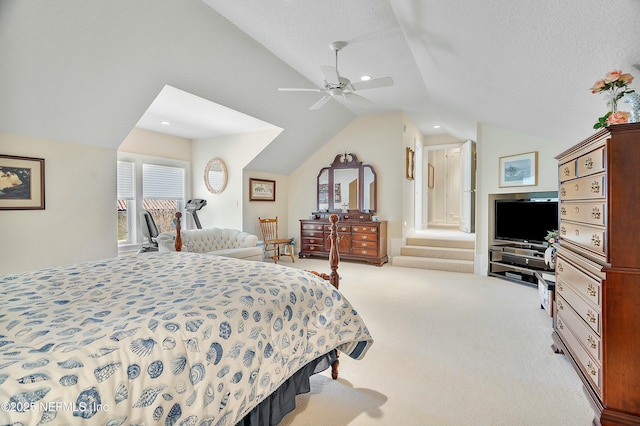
<point x="135" y="206"/>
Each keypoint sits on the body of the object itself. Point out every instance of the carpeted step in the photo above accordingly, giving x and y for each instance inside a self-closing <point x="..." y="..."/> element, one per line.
<point x="438" y="252"/>
<point x="440" y="242"/>
<point x="452" y="265"/>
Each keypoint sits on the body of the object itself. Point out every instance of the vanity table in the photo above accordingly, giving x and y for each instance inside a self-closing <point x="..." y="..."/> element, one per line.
<point x="346" y="188"/>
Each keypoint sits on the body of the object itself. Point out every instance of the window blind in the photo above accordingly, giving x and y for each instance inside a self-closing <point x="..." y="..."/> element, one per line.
<point x="126" y="180"/>
<point x="162" y="182"/>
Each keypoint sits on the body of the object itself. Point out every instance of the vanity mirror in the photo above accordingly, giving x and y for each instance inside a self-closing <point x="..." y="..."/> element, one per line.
<point x="215" y="175"/>
<point x="347" y="185"/>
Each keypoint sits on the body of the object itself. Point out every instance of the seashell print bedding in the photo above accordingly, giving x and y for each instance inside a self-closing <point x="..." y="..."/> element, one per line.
<point x="177" y="338"/>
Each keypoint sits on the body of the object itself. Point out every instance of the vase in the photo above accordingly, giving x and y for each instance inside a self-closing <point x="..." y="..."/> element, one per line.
<point x="633" y="99"/>
<point x="550" y="257"/>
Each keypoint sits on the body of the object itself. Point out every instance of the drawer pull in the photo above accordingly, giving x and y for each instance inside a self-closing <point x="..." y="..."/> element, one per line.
<point x="576" y="187"/>
<point x="560" y="325"/>
<point x="595" y="213"/>
<point x="591" y="368"/>
<point x="595" y="240"/>
<point x="343" y="228"/>
<point x="577" y="210"/>
<point x="560" y="305"/>
<point x="364" y="237"/>
<point x="312" y="248"/>
<point x="560" y="267"/>
<point x="563" y="191"/>
<point x="563" y="230"/>
<point x="588" y="163"/>
<point x="364" y="244"/>
<point x="591" y="317"/>
<point x="591" y="290"/>
<point x="312" y="241"/>
<point x="364" y="252"/>
<point x="595" y="187"/>
<point x="592" y="342"/>
<point x="563" y="211"/>
<point x="566" y="171"/>
<point x="560" y="287"/>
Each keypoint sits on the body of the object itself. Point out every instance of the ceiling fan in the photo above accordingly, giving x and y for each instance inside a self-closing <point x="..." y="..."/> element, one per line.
<point x="336" y="86"/>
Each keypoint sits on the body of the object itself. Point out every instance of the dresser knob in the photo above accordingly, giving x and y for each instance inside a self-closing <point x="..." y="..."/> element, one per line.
<point x="591" y="369"/>
<point x="560" y="287"/>
<point x="588" y="163"/>
<point x="364" y="237"/>
<point x="591" y="290"/>
<point x="576" y="187"/>
<point x="591" y="317"/>
<point x="592" y="342"/>
<point x="560" y="324"/>
<point x="560" y="305"/>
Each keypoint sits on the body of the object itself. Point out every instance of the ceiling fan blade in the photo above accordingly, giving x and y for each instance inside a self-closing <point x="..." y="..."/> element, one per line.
<point x="320" y="103"/>
<point x="289" y="89"/>
<point x="358" y="100"/>
<point x="330" y="74"/>
<point x="373" y="84"/>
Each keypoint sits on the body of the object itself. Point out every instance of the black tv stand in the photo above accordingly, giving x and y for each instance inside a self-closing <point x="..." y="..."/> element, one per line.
<point x="520" y="263"/>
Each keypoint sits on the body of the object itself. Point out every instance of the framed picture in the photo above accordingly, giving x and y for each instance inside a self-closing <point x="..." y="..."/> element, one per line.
<point x="519" y="170"/>
<point x="262" y="190"/>
<point x="21" y="183"/>
<point x="410" y="163"/>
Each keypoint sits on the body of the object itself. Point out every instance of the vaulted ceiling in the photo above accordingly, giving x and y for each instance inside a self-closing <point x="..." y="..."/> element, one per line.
<point x="85" y="71"/>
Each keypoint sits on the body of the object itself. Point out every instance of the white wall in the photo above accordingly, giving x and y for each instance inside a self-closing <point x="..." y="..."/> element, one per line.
<point x="493" y="143"/>
<point x="146" y="142"/>
<point x="79" y="222"/>
<point x="263" y="209"/>
<point x="227" y="209"/>
<point x="375" y="139"/>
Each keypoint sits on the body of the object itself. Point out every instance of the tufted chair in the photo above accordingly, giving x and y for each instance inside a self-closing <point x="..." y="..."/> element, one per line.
<point x="219" y="241"/>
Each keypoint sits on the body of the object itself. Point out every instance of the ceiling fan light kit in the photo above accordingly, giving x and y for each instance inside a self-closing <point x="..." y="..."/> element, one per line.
<point x="341" y="88"/>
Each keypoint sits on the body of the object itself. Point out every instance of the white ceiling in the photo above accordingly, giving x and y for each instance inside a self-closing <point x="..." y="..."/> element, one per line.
<point x="523" y="65"/>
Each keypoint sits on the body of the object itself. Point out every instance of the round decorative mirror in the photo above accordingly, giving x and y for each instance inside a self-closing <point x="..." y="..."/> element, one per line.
<point x="215" y="175"/>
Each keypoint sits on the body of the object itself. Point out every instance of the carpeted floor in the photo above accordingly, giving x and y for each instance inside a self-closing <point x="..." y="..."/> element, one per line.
<point x="450" y="349"/>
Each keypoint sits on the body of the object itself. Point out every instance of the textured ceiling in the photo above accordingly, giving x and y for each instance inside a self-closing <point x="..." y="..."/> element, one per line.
<point x="523" y="65"/>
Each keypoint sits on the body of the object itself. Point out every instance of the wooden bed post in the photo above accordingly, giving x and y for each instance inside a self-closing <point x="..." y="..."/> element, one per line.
<point x="334" y="278"/>
<point x="178" y="244"/>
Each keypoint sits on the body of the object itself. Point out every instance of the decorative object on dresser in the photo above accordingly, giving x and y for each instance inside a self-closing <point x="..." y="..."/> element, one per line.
<point x="597" y="305"/>
<point x="614" y="86"/>
<point x="21" y="183"/>
<point x="360" y="236"/>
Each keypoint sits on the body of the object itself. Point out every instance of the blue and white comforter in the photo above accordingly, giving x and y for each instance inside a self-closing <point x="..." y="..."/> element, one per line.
<point x="172" y="338"/>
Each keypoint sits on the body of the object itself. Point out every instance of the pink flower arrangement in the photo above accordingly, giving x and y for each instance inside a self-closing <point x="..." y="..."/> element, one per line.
<point x="615" y="85"/>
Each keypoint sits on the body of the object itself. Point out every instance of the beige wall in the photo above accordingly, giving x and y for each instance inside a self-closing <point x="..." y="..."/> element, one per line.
<point x="493" y="143"/>
<point x="375" y="139"/>
<point x="79" y="222"/>
<point x="227" y="209"/>
<point x="146" y="142"/>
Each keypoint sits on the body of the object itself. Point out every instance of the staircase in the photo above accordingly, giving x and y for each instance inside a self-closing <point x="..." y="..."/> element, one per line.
<point x="438" y="252"/>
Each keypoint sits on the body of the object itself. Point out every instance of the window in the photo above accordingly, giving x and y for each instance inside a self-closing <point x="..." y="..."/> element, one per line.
<point x="147" y="183"/>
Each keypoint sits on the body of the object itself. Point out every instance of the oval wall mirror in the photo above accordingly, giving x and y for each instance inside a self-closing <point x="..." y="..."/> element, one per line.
<point x="215" y="175"/>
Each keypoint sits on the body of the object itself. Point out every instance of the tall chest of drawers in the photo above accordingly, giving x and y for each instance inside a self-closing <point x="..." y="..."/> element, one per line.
<point x="597" y="321"/>
<point x="364" y="240"/>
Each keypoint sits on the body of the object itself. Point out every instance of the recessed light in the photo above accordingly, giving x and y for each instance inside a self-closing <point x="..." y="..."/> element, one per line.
<point x="365" y="78"/>
<point x="165" y="123"/>
<point x="437" y="126"/>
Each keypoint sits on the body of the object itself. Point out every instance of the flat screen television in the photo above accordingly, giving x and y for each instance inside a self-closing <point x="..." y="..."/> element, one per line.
<point x="525" y="221"/>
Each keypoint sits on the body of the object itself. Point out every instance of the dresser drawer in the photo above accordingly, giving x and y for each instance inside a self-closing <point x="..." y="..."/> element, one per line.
<point x="587" y="188"/>
<point x="583" y="284"/>
<point x="318" y="241"/>
<point x="306" y="233"/>
<point x="571" y="300"/>
<point x="567" y="171"/>
<point x="313" y="226"/>
<point x="364" y="244"/>
<point x="590" y="368"/>
<point x="589" y="237"/>
<point x="583" y="333"/>
<point x="589" y="213"/>
<point x="591" y="163"/>
<point x="365" y="229"/>
<point x="312" y="247"/>
<point x="364" y="251"/>
<point x="342" y="229"/>
<point x="364" y="237"/>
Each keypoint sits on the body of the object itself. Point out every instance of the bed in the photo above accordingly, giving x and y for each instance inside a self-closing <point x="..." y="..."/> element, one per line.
<point x="169" y="338"/>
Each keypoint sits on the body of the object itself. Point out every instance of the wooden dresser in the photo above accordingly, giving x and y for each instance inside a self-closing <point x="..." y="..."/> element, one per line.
<point x="597" y="308"/>
<point x="359" y="238"/>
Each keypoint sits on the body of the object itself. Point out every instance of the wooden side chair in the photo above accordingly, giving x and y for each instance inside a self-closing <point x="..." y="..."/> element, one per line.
<point x="269" y="229"/>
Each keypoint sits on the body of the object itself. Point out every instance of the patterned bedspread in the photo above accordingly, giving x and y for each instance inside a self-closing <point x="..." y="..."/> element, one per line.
<point x="171" y="338"/>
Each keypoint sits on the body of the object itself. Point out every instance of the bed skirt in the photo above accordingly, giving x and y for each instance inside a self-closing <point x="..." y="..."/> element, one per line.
<point x="281" y="402"/>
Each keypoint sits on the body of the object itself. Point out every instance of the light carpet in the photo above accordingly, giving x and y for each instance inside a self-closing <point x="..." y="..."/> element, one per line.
<point x="449" y="349"/>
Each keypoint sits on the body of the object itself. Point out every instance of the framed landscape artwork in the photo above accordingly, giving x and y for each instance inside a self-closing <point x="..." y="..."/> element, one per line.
<point x="21" y="183"/>
<point x="519" y="170"/>
<point x="262" y="190"/>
